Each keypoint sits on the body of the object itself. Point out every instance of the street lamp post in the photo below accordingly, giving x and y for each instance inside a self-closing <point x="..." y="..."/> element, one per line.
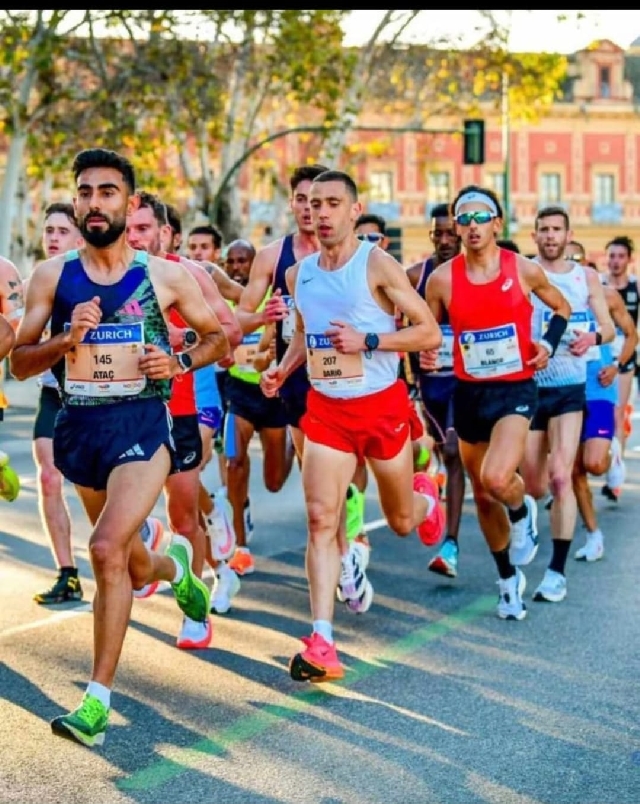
<point x="317" y="130"/>
<point x="506" y="155"/>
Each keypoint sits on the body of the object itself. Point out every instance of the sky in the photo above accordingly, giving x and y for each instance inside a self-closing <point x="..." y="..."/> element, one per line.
<point x="531" y="30"/>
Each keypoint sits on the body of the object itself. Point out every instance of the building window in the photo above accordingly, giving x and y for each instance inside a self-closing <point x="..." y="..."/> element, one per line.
<point x="604" y="188"/>
<point x="550" y="190"/>
<point x="495" y="181"/>
<point x="605" y="82"/>
<point x="381" y="187"/>
<point x="439" y="188"/>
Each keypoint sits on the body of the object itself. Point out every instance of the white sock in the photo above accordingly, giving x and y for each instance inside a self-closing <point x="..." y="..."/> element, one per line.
<point x="179" y="571"/>
<point x="431" y="504"/>
<point x="99" y="691"/>
<point x="324" y="628"/>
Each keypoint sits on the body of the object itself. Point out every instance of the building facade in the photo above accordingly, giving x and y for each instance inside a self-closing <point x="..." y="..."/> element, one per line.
<point x="583" y="154"/>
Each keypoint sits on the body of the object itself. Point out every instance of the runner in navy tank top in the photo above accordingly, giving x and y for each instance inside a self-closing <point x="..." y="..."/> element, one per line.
<point x="268" y="272"/>
<point x="486" y="293"/>
<point x="109" y="348"/>
<point x="436" y="392"/>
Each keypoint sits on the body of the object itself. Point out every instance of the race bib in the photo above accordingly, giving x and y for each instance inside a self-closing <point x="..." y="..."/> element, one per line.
<point x="106" y="363"/>
<point x="445" y="353"/>
<point x="491" y="353"/>
<point x="289" y="323"/>
<point x="246" y="352"/>
<point x="329" y="370"/>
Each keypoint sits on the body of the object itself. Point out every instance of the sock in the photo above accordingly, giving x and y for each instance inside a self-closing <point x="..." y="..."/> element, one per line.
<point x="73" y="571"/>
<point x="145" y="530"/>
<point x="503" y="563"/>
<point x="243" y="550"/>
<point x="179" y="572"/>
<point x="559" y="555"/>
<point x="99" y="691"/>
<point x="324" y="628"/>
<point x="431" y="504"/>
<point x="450" y="538"/>
<point x="516" y="514"/>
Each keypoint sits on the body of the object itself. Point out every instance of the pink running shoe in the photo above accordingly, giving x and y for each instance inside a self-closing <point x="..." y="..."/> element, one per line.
<point x="431" y="529"/>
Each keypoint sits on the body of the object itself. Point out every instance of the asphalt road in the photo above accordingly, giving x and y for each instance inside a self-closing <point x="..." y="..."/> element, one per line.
<point x="442" y="701"/>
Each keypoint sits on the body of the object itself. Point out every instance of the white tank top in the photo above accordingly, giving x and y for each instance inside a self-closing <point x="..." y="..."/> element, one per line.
<point x="323" y="296"/>
<point x="564" y="368"/>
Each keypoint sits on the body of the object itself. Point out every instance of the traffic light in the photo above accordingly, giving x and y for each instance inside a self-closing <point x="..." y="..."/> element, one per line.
<point x="473" y="142"/>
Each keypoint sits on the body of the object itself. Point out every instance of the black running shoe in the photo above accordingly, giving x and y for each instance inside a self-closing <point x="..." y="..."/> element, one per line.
<point x="67" y="587"/>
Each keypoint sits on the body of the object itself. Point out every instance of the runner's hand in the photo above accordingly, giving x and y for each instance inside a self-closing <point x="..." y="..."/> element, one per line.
<point x="275" y="309"/>
<point x="582" y="343"/>
<point x="85" y="316"/>
<point x="157" y="364"/>
<point x="271" y="381"/>
<point x="541" y="358"/>
<point x="429" y="360"/>
<point x="345" y="339"/>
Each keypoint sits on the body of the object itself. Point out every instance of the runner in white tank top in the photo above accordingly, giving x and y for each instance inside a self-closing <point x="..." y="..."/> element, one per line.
<point x="345" y="299"/>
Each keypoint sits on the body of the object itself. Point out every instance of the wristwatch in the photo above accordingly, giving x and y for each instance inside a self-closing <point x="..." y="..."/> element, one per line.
<point x="189" y="338"/>
<point x="371" y="341"/>
<point x="185" y="361"/>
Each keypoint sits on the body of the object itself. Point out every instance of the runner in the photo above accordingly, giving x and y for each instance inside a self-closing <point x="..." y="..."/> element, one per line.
<point x="486" y="293"/>
<point x="11" y="309"/>
<point x="619" y="253"/>
<point x="346" y="297"/>
<point x="249" y="412"/>
<point x="554" y="433"/>
<point x="60" y="234"/>
<point x="109" y="348"/>
<point x="598" y="428"/>
<point x="146" y="227"/>
<point x="436" y="392"/>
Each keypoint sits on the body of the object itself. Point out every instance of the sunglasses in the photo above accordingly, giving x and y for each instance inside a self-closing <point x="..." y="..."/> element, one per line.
<point x="372" y="237"/>
<point x="465" y="218"/>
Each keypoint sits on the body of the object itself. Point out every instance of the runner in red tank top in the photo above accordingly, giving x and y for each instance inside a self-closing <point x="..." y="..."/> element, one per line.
<point x="486" y="295"/>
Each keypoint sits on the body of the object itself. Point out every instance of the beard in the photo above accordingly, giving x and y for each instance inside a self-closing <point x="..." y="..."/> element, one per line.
<point x="102" y="238"/>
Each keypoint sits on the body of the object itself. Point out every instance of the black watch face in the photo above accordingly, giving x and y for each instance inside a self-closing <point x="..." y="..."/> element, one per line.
<point x="190" y="338"/>
<point x="186" y="361"/>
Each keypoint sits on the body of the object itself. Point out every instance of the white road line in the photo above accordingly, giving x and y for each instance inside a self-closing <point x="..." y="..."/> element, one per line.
<point x="61" y="616"/>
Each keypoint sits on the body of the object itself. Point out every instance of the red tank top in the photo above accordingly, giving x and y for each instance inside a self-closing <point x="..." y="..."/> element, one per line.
<point x="183" y="398"/>
<point x="491" y="324"/>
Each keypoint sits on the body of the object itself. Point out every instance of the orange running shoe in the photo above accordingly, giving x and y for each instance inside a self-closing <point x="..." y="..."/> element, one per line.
<point x="242" y="562"/>
<point x="431" y="529"/>
<point x="317" y="662"/>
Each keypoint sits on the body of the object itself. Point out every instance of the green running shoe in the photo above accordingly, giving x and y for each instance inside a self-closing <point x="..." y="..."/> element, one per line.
<point x="192" y="595"/>
<point x="87" y="724"/>
<point x="9" y="480"/>
<point x="355" y="512"/>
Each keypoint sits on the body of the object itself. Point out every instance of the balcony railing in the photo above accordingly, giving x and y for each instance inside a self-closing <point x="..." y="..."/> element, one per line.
<point x="606" y="213"/>
<point x="391" y="211"/>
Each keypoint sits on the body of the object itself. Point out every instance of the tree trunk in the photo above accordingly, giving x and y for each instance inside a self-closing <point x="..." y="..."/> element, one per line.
<point x="9" y="191"/>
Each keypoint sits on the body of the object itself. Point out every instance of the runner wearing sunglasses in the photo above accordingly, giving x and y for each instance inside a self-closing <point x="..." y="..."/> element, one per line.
<point x="486" y="293"/>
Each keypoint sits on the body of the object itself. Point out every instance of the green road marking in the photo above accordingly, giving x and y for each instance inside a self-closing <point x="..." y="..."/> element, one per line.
<point x="256" y="723"/>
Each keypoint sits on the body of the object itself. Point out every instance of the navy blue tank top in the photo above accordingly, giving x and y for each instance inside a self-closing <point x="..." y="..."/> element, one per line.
<point x="297" y="384"/>
<point x="130" y="310"/>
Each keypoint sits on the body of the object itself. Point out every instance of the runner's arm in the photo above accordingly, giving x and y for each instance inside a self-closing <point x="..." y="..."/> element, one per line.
<point x="229" y="288"/>
<point x="214" y="298"/>
<point x="7" y="337"/>
<point x="599" y="306"/>
<point x="423" y="332"/>
<point x="625" y="324"/>
<point x="11" y="293"/>
<point x="189" y="301"/>
<point x="296" y="353"/>
<point x="256" y="289"/>
<point x="30" y="355"/>
<point x="266" y="349"/>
